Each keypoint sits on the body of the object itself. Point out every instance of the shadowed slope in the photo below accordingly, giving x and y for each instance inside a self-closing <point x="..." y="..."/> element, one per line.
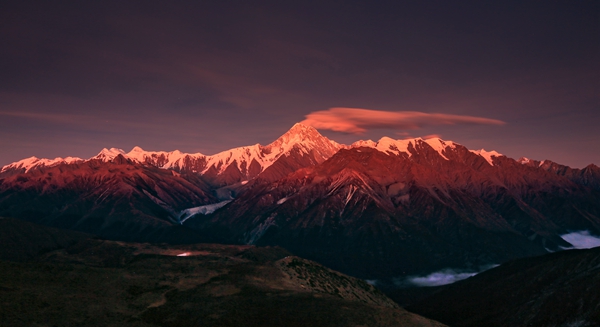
<point x="119" y="199"/>
<point x="22" y="241"/>
<point x="557" y="289"/>
<point x="104" y="283"/>
<point x="382" y="215"/>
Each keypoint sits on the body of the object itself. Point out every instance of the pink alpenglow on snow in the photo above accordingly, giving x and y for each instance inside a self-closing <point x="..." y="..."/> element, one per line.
<point x="357" y="121"/>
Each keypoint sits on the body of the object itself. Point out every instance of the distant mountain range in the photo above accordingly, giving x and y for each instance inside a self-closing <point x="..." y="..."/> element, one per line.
<point x="375" y="210"/>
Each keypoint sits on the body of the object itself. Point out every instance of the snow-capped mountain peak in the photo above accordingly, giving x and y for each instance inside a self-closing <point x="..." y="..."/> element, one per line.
<point x="488" y="155"/>
<point x="389" y="145"/>
<point x="303" y="136"/>
<point x="109" y="154"/>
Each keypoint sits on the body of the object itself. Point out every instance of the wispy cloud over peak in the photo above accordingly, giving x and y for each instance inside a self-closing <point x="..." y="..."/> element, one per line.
<point x="358" y="121"/>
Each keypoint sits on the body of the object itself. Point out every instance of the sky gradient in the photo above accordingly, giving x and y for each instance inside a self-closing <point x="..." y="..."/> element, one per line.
<point x="76" y="77"/>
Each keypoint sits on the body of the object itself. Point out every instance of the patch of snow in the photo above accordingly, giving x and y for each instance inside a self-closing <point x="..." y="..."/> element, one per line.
<point x="203" y="210"/>
<point x="260" y="230"/>
<point x="487" y="155"/>
<point x="351" y="192"/>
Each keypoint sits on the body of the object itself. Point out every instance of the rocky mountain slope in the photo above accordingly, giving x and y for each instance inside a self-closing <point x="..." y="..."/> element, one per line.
<point x="119" y="199"/>
<point x="140" y="196"/>
<point x="378" y="214"/>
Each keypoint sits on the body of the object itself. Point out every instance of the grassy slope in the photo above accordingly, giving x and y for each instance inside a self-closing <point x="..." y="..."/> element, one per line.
<point x="91" y="282"/>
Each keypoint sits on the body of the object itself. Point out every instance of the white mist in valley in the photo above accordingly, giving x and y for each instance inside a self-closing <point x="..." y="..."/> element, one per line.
<point x="581" y="240"/>
<point x="438" y="278"/>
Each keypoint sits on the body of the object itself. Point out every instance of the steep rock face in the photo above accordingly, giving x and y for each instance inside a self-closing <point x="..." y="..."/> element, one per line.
<point x="117" y="199"/>
<point x="399" y="208"/>
<point x="588" y="176"/>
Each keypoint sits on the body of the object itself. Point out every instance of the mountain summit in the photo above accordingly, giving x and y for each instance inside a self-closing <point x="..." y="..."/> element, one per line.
<point x="301" y="143"/>
<point x="304" y="137"/>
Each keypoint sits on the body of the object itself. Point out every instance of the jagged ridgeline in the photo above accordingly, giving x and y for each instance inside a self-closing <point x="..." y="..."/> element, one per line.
<point x="375" y="210"/>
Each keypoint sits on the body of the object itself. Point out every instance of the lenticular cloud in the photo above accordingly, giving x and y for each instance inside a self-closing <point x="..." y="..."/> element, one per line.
<point x="357" y="121"/>
<point x="581" y="240"/>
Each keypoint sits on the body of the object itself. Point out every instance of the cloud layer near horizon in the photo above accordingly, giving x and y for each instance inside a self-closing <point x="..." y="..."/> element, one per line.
<point x="358" y="121"/>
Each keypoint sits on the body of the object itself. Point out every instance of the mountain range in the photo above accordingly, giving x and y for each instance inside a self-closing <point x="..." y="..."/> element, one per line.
<point x="374" y="210"/>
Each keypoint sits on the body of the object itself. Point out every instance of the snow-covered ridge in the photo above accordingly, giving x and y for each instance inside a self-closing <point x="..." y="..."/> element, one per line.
<point x="302" y="138"/>
<point x="389" y="145"/>
<point x="29" y="163"/>
<point x="488" y="155"/>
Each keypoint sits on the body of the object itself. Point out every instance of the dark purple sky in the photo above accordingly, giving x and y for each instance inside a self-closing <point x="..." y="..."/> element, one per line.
<point x="206" y="76"/>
